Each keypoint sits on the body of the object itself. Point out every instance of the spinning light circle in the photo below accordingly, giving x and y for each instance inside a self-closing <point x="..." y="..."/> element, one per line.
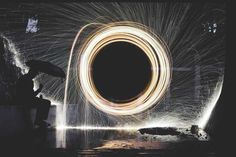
<point x="139" y="35"/>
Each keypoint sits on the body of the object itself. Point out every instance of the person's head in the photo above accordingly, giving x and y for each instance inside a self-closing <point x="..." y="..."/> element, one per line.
<point x="33" y="73"/>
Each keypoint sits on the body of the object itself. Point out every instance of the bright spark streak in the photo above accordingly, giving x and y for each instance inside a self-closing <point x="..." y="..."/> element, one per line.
<point x="63" y="127"/>
<point x="16" y="55"/>
<point x="211" y="104"/>
<point x="68" y="68"/>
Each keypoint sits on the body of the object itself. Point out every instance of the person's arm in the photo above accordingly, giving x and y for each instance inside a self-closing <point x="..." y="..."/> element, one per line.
<point x="38" y="90"/>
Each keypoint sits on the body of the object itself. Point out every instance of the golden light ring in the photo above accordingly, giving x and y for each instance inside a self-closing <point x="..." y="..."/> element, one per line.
<point x="156" y="51"/>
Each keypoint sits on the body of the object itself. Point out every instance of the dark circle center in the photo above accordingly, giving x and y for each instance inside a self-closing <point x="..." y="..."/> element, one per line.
<point x="121" y="71"/>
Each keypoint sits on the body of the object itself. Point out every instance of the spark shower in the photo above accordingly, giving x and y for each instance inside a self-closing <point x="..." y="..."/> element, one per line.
<point x="184" y="43"/>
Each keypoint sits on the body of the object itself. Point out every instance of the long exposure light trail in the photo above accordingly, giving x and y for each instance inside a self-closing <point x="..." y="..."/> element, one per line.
<point x="151" y="45"/>
<point x="195" y="49"/>
<point x="128" y="128"/>
<point x="68" y="70"/>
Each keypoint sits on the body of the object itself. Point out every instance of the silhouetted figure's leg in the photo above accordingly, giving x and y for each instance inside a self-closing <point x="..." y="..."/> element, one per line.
<point x="42" y="106"/>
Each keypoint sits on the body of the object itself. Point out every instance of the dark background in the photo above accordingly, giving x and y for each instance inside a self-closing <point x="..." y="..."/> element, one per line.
<point x="223" y="115"/>
<point x="222" y="120"/>
<point x="121" y="63"/>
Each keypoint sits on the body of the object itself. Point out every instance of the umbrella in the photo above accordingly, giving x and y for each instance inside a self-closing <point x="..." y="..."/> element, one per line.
<point x="46" y="67"/>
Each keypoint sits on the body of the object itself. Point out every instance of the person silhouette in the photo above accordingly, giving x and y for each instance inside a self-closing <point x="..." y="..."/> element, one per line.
<point x="26" y="96"/>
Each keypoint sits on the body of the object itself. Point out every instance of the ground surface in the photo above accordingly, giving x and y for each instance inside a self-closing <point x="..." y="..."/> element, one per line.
<point x="104" y="143"/>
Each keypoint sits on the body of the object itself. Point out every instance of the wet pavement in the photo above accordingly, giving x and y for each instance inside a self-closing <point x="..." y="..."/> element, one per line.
<point x="104" y="143"/>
